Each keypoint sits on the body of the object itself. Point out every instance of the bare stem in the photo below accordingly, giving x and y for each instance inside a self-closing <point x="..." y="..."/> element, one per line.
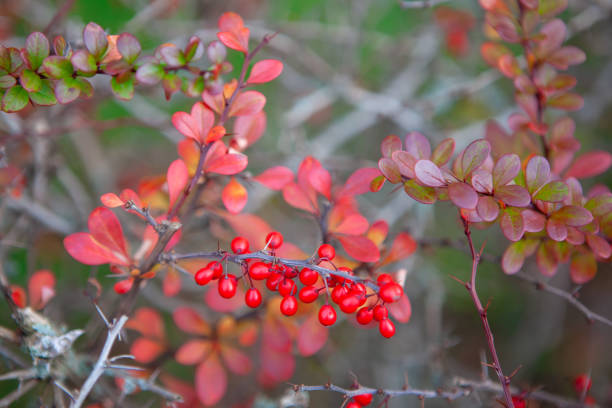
<point x="482" y="311"/>
<point x="424" y="394"/>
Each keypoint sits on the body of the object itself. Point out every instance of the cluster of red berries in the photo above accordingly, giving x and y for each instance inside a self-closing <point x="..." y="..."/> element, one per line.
<point x="359" y="401"/>
<point x="349" y="295"/>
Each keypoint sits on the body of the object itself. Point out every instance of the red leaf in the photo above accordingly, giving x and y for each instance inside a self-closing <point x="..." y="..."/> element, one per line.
<point x="311" y="336"/>
<point x="389" y="168"/>
<point x="228" y="164"/>
<point x="193" y="352"/>
<point x="172" y="283"/>
<point x="41" y="288"/>
<point x="18" y="296"/>
<point x="403" y="246"/>
<point x="237" y="362"/>
<point x="195" y="125"/>
<point x="583" y="267"/>
<point x="146" y="350"/>
<point x="359" y="182"/>
<point x="276" y="366"/>
<point x="463" y="195"/>
<point x="237" y="41"/>
<point x="390" y="144"/>
<point x="111" y="200"/>
<point x="177" y="178"/>
<point x="189" y="321"/>
<point x="234" y="196"/>
<point x="352" y="224"/>
<point x="297" y="198"/>
<point x="85" y="249"/>
<point x="230" y="21"/>
<point x="401" y="310"/>
<point x="210" y="381"/>
<point x="250" y="226"/>
<point x="148" y="322"/>
<point x="106" y="229"/>
<point x="265" y="71"/>
<point x="222" y="305"/>
<point x="556" y="229"/>
<point x="275" y="178"/>
<point x="247" y="130"/>
<point x="247" y="103"/>
<point x="590" y="164"/>
<point x="359" y="247"/>
<point x="215" y="134"/>
<point x="320" y="179"/>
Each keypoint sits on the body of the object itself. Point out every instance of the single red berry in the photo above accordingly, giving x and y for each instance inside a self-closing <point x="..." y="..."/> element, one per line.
<point x="252" y="298"/>
<point x="353" y="404"/>
<point x="582" y="384"/>
<point x="384" y="278"/>
<point x="287" y="288"/>
<point x="217" y="268"/>
<point x="308" y="294"/>
<point x="203" y="276"/>
<point x="365" y="315"/>
<point x="240" y="245"/>
<point x="227" y="286"/>
<point x="386" y="328"/>
<point x="259" y="271"/>
<point x="390" y="292"/>
<point x="327" y="315"/>
<point x="518" y="402"/>
<point x="349" y="304"/>
<point x="308" y="276"/>
<point x="273" y="281"/>
<point x="363" y="399"/>
<point x="290" y="272"/>
<point x="288" y="306"/>
<point x="123" y="286"/>
<point x="339" y="279"/>
<point x="19" y="297"/>
<point x="274" y="240"/>
<point x="339" y="293"/>
<point x="358" y="288"/>
<point x="326" y="251"/>
<point x="380" y="313"/>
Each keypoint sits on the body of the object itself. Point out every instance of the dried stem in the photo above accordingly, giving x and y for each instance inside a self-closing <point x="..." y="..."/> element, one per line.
<point x="482" y="311"/>
<point x="101" y="364"/>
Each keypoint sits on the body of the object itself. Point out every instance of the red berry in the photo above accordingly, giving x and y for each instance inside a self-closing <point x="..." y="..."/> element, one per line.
<point x="274" y="240"/>
<point x="340" y="279"/>
<point x="384" y="278"/>
<point x="217" y="268"/>
<point x="308" y="276"/>
<point x="349" y="304"/>
<point x="18" y="296"/>
<point x="287" y="288"/>
<point x="252" y="298"/>
<point x="353" y="404"/>
<point x="363" y="399"/>
<point x="308" y="294"/>
<point x="339" y="293"/>
<point x="227" y="286"/>
<point x="359" y="288"/>
<point x="518" y="402"/>
<point x="327" y="315"/>
<point x="582" y="384"/>
<point x="203" y="276"/>
<point x="288" y="306"/>
<point x="390" y="292"/>
<point x="365" y="315"/>
<point x="273" y="280"/>
<point x="326" y="251"/>
<point x="259" y="271"/>
<point x="386" y="328"/>
<point x="290" y="272"/>
<point x="123" y="286"/>
<point x="380" y="313"/>
<point x="240" y="245"/>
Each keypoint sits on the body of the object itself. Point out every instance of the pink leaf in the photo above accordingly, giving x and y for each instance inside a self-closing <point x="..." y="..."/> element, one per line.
<point x="353" y="224"/>
<point x="195" y="125"/>
<point x="320" y="179"/>
<point x="247" y="103"/>
<point x="443" y="152"/>
<point x="359" y="182"/>
<point x="234" y="196"/>
<point x="583" y="268"/>
<point x="193" y="352"/>
<point x="390" y="144"/>
<point x="401" y="310"/>
<point x="506" y="169"/>
<point x="311" y="336"/>
<point x="513" y="194"/>
<point x="428" y="174"/>
<point x="106" y="229"/>
<point x="85" y="249"/>
<point x="487" y="208"/>
<point x="463" y="195"/>
<point x="177" y="178"/>
<point x="359" y="247"/>
<point x="598" y="245"/>
<point x="512" y="224"/>
<point x="404" y="162"/>
<point x="590" y="164"/>
<point x="248" y="129"/>
<point x="534" y="221"/>
<point x="189" y="321"/>
<point x="237" y="362"/>
<point x="41" y="288"/>
<point x="546" y="258"/>
<point x="573" y="215"/>
<point x="111" y="200"/>
<point x="228" y="164"/>
<point x="210" y="381"/>
<point x="418" y="146"/>
<point x="556" y="229"/>
<point x="297" y="198"/>
<point x="537" y="173"/>
<point x="265" y="71"/>
<point x="515" y="255"/>
<point x="474" y="156"/>
<point x="389" y="168"/>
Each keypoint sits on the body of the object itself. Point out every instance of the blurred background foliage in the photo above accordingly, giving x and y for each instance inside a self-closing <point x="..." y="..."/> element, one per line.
<point x="355" y="71"/>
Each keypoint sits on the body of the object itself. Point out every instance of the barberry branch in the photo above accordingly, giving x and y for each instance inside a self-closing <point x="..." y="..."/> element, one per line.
<point x="482" y="311"/>
<point x="101" y="365"/>
<point x="407" y="4"/>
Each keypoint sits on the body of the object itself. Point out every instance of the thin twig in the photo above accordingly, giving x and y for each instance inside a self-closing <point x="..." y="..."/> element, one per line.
<point x="406" y="4"/>
<point x="429" y="394"/>
<point x="101" y="364"/>
<point x="482" y="311"/>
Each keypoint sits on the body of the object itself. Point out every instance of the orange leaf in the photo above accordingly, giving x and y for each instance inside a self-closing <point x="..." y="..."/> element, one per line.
<point x="146" y="350"/>
<point x="403" y="246"/>
<point x="265" y="71"/>
<point x="111" y="200"/>
<point x="193" y="352"/>
<point x="106" y="229"/>
<point x="148" y="322"/>
<point x="215" y="134"/>
<point x="234" y="196"/>
<point x="275" y="178"/>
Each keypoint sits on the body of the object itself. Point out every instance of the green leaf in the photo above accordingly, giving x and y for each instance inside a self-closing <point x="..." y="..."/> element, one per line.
<point x="6" y="81"/>
<point x="515" y="255"/>
<point x="5" y="59"/>
<point x="30" y="80"/>
<point x="57" y="67"/>
<point x="123" y="89"/>
<point x="16" y="60"/>
<point x="67" y="90"/>
<point x="37" y="49"/>
<point x="552" y="192"/>
<point x="15" y="99"/>
<point x="45" y="95"/>
<point x="573" y="215"/>
<point x="423" y="194"/>
<point x="150" y="73"/>
<point x="84" y="62"/>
